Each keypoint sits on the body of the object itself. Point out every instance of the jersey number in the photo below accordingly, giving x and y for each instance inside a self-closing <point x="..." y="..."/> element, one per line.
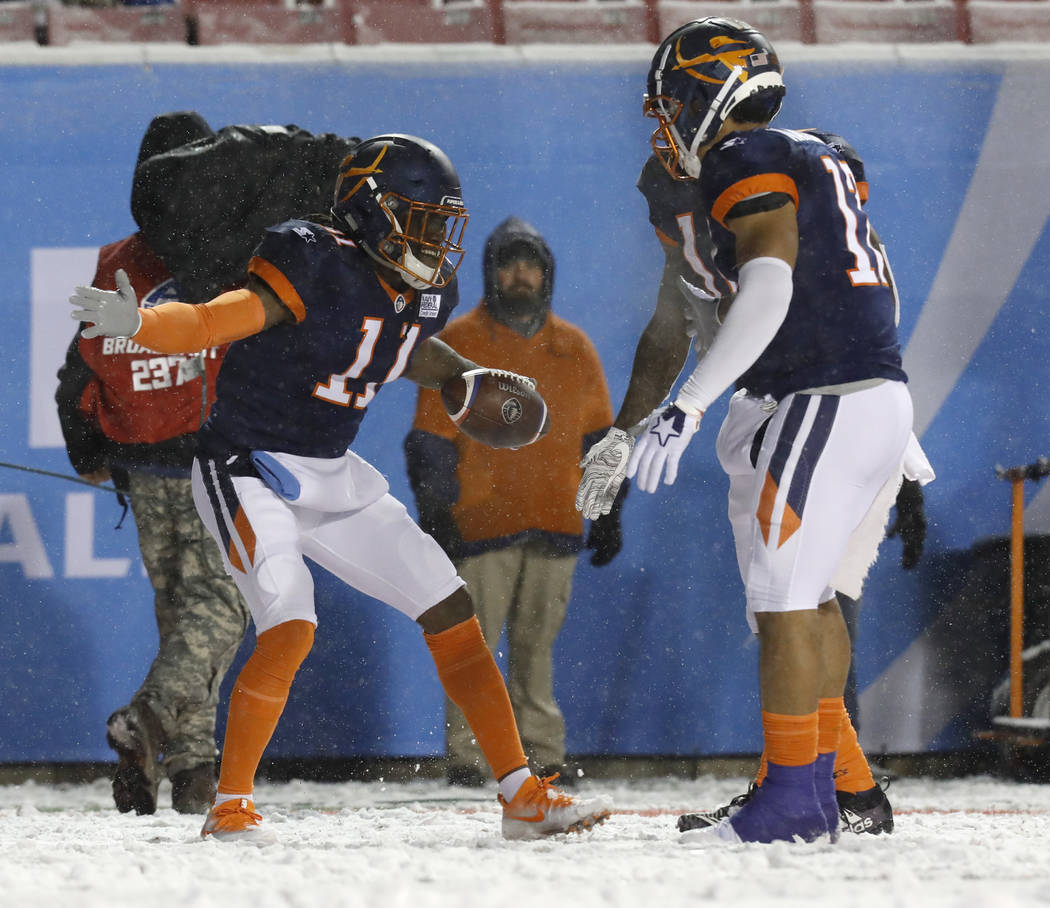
<point x="335" y="390"/>
<point x="870" y="267"/>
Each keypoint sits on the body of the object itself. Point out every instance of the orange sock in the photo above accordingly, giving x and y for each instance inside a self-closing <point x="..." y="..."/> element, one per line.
<point x="852" y="772"/>
<point x="790" y="740"/>
<point x="829" y="721"/>
<point x="830" y="714"/>
<point x="258" y="700"/>
<point x="473" y="682"/>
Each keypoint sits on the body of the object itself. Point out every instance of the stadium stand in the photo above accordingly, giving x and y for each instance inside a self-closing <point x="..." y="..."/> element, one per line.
<point x="412" y="21"/>
<point x="18" y="21"/>
<point x="890" y="21"/>
<point x="1007" y="20"/>
<point x="576" y="21"/>
<point x="515" y="22"/>
<point x="260" y="22"/>
<point x="117" y="24"/>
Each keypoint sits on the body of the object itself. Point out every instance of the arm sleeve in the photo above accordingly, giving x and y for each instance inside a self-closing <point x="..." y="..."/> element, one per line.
<point x="761" y="304"/>
<point x="185" y="328"/>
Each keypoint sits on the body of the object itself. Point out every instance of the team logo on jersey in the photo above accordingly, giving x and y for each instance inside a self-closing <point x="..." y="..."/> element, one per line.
<point x="306" y="233"/>
<point x="429" y="305"/>
<point x="733" y="57"/>
<point x="400" y="303"/>
<point x="162" y="293"/>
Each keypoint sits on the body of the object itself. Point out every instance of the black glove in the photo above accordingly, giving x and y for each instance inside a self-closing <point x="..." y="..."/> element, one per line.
<point x="435" y="518"/>
<point x="910" y="523"/>
<point x="605" y="535"/>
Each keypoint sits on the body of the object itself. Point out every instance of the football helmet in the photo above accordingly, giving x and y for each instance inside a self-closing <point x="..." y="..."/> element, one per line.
<point x="399" y="198"/>
<point x="700" y="72"/>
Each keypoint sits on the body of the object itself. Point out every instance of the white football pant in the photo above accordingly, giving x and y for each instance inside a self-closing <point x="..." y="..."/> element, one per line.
<point x="811" y="489"/>
<point x="373" y="545"/>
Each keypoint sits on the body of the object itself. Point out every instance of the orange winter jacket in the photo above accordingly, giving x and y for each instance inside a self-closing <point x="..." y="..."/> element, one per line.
<point x="505" y="493"/>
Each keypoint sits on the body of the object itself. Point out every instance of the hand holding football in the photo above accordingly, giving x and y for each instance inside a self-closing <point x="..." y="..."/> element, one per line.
<point x="497" y="408"/>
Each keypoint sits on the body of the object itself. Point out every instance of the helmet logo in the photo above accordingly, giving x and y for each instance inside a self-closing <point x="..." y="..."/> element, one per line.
<point x="363" y="172"/>
<point x="736" y="56"/>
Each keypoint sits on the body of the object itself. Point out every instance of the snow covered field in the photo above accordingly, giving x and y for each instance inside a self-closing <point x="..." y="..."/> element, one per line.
<point x="970" y="842"/>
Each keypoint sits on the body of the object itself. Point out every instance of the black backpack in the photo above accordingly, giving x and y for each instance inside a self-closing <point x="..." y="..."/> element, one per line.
<point x="204" y="206"/>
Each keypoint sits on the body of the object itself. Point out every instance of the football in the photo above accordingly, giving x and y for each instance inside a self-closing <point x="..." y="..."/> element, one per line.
<point x="497" y="408"/>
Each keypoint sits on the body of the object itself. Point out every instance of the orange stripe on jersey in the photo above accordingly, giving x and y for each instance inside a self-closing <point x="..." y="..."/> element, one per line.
<point x="665" y="239"/>
<point x="765" y="505"/>
<point x="788" y="524"/>
<point x="408" y="294"/>
<point x="862" y="190"/>
<point x="247" y="536"/>
<point x="279" y="284"/>
<point x="757" y="185"/>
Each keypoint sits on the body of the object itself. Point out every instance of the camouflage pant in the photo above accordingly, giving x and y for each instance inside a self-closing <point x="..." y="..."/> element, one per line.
<point x="201" y="619"/>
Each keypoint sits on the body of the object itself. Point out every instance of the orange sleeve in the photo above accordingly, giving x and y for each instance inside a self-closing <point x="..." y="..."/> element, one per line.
<point x="184" y="328"/>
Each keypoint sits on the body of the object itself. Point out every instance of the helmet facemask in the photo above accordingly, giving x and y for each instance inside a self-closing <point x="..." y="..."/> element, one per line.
<point x="425" y="243"/>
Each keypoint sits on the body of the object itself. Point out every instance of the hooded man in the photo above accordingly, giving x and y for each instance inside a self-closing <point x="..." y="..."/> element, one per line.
<point x="507" y="518"/>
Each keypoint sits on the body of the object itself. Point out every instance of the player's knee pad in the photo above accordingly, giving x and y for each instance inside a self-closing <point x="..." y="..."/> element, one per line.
<point x="285" y="592"/>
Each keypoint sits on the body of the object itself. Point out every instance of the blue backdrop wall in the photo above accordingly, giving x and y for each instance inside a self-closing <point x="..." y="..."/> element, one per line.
<point x="655" y="657"/>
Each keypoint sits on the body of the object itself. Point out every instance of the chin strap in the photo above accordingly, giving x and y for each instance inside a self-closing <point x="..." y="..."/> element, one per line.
<point x="690" y="159"/>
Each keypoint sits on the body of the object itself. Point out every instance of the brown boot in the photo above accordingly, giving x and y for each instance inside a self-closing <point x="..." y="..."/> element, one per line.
<point x="136" y="735"/>
<point x="193" y="789"/>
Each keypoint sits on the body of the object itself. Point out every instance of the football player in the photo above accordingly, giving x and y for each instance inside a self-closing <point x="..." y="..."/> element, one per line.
<point x="694" y="281"/>
<point x="335" y="307"/>
<point x="816" y="432"/>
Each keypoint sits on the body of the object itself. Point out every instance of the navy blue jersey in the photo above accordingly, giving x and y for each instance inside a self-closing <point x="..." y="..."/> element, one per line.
<point x="303" y="387"/>
<point x="849" y="153"/>
<point x="677" y="213"/>
<point x="841" y="324"/>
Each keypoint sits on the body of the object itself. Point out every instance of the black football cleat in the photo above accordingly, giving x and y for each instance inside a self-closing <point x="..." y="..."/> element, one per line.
<point x="866" y="811"/>
<point x="689" y="821"/>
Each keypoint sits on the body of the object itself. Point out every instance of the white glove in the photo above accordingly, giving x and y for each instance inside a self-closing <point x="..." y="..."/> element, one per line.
<point x="660" y="446"/>
<point x="701" y="315"/>
<point x="604" y="468"/>
<point x="113" y="313"/>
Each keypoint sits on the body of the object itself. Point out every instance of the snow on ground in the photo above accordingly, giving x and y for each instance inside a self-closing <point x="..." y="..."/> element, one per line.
<point x="975" y="842"/>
